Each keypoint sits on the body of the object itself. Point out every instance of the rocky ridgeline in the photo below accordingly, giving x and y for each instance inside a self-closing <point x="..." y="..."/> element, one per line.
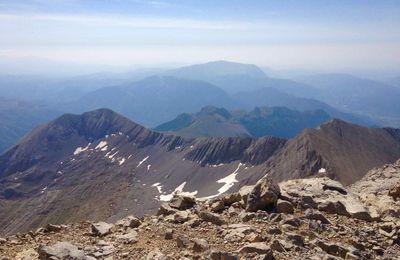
<point x="314" y="218"/>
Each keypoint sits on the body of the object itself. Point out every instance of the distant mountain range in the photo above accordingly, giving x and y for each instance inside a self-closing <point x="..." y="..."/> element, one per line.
<point x="154" y="96"/>
<point x="101" y="166"/>
<point x="262" y="121"/>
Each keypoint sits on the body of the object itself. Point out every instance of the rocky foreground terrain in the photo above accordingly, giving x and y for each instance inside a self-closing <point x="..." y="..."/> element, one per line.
<point x="314" y="218"/>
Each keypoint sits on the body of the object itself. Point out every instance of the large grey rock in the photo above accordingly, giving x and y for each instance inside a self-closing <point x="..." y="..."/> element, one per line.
<point x="101" y="228"/>
<point x="165" y="209"/>
<point x="211" y="217"/>
<point x="182" y="202"/>
<point x="60" y="251"/>
<point x="128" y="238"/>
<point x="326" y="195"/>
<point x="263" y="196"/>
<point x="129" y="222"/>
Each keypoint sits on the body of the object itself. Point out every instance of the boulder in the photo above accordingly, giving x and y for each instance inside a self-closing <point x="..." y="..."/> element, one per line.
<point x="231" y="198"/>
<point x="283" y="206"/>
<point x="53" y="228"/>
<point x="211" y="217"/>
<point x="129" y="222"/>
<point x="217" y="206"/>
<point x="259" y="248"/>
<point x="326" y="195"/>
<point x="200" y="245"/>
<point x="181" y="217"/>
<point x="101" y="229"/>
<point x="165" y="209"/>
<point x="332" y="249"/>
<point x="128" y="238"/>
<point x="60" y="251"/>
<point x="182" y="202"/>
<point x="395" y="192"/>
<point x="263" y="196"/>
<point x="316" y="215"/>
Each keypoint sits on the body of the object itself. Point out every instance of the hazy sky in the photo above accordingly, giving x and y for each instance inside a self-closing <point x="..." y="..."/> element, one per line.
<point x="324" y="35"/>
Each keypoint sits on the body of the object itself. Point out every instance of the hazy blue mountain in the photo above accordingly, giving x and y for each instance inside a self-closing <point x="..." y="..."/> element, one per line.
<point x="262" y="121"/>
<point x="377" y="100"/>
<point x="18" y="118"/>
<point x="153" y="100"/>
<point x="235" y="77"/>
<point x="63" y="89"/>
<point x="272" y="97"/>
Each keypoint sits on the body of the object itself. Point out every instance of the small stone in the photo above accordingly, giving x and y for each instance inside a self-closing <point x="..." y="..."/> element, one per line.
<point x="169" y="234"/>
<point x="182" y="242"/>
<point x="219" y="255"/>
<point x="200" y="245"/>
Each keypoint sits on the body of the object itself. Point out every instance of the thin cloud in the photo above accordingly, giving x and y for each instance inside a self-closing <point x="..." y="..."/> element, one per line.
<point x="136" y="22"/>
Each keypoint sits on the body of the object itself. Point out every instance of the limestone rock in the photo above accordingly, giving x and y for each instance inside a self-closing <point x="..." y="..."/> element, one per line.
<point x="182" y="202"/>
<point x="128" y="238"/>
<point x="166" y="209"/>
<point x="60" y="251"/>
<point x="129" y="222"/>
<point x="263" y="196"/>
<point x="101" y="229"/>
<point x="211" y="217"/>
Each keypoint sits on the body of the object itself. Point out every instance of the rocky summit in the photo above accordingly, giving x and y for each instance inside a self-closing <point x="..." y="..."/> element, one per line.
<point x="313" y="218"/>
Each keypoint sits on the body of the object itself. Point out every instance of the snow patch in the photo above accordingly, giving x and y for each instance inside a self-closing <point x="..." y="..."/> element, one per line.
<point x="121" y="160"/>
<point x="102" y="146"/>
<point x="148" y="167"/>
<point x="322" y="170"/>
<point x="80" y="149"/>
<point x="216" y="165"/>
<point x="177" y="191"/>
<point x="228" y="181"/>
<point x="142" y="161"/>
<point x="158" y="186"/>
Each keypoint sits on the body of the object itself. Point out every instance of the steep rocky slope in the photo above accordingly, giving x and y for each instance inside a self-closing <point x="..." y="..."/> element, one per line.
<point x="101" y="166"/>
<point x="314" y="218"/>
<point x="338" y="149"/>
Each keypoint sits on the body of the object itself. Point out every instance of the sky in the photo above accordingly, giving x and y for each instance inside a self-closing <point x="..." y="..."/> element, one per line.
<point x="324" y="35"/>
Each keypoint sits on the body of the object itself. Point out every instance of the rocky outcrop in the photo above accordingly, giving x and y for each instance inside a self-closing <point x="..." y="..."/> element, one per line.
<point x="264" y="195"/>
<point x="379" y="190"/>
<point x="326" y="195"/>
<point x="233" y="233"/>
